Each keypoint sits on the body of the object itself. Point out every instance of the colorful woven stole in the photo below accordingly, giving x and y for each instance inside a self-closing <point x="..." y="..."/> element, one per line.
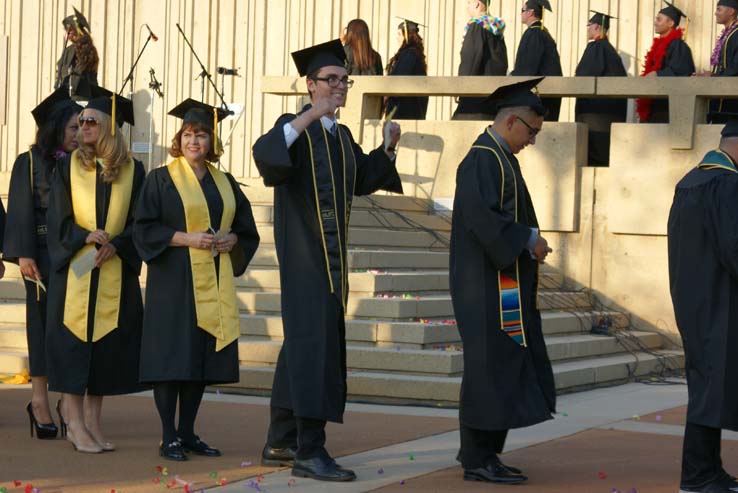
<point x="216" y="304"/>
<point x="83" y="189"/>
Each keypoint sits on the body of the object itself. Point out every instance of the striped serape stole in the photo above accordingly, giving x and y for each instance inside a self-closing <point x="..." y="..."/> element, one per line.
<point x="511" y="316"/>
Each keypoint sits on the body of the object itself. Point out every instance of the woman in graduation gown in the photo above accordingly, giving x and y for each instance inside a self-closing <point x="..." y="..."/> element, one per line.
<point x="361" y="58"/>
<point x="25" y="241"/>
<point x="196" y="232"/>
<point x="95" y="310"/>
<point x="409" y="60"/>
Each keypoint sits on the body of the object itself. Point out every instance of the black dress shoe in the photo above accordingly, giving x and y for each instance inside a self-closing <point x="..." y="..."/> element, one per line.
<point x="322" y="469"/>
<point x="512" y="469"/>
<point x="278" y="457"/>
<point x="172" y="451"/>
<point x="494" y="473"/>
<point x="197" y="446"/>
<point x="44" y="431"/>
<point x="714" y="487"/>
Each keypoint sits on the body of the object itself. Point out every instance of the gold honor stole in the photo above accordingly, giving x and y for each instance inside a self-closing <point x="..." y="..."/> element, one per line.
<point x="215" y="297"/>
<point x="83" y="189"/>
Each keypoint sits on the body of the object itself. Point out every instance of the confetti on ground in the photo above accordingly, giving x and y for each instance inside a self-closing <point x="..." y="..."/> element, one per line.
<point x="17" y="483"/>
<point x="291" y="483"/>
<point x="246" y="463"/>
<point x="602" y="475"/>
<point x="155" y="480"/>
<point x="380" y="471"/>
<point x="565" y="414"/>
<point x="171" y="484"/>
<point x="29" y="488"/>
<point x="402" y="482"/>
<point x="3" y="490"/>
<point x="658" y="417"/>
<point x="632" y="490"/>
<point x="614" y="490"/>
<point x="636" y="417"/>
<point x="398" y="348"/>
<point x="223" y="482"/>
<point x="412" y="457"/>
<point x="213" y="474"/>
<point x="217" y="392"/>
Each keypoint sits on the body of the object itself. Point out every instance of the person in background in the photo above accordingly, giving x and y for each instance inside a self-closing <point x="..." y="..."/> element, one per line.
<point x="79" y="60"/>
<point x="409" y="60"/>
<point x="483" y="52"/>
<point x="361" y="59"/>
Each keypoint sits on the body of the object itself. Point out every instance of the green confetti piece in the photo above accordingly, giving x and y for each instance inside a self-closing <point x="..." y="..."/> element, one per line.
<point x="412" y="457"/>
<point x="214" y="474"/>
<point x="565" y="414"/>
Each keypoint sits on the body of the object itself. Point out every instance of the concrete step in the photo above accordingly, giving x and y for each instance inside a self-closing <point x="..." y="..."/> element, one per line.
<point x="449" y="363"/>
<point x="390" y="387"/>
<point x="376" y="237"/>
<point x="13" y="337"/>
<point x="424" y="335"/>
<point x="13" y="360"/>
<point x="260" y="195"/>
<point x="13" y="312"/>
<point x="370" y="258"/>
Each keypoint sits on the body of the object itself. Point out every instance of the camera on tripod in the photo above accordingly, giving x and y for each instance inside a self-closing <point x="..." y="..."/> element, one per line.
<point x="227" y="71"/>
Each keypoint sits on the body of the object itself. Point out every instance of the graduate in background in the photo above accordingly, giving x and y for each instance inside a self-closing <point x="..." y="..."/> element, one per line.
<point x="361" y="58"/>
<point x="669" y="56"/>
<point x="495" y="253"/>
<point x="196" y="232"/>
<point x="537" y="53"/>
<point x="316" y="169"/>
<point x="409" y="60"/>
<point x="724" y="59"/>
<point x="25" y="240"/>
<point x="93" y="333"/>
<point x="483" y="52"/>
<point x="600" y="60"/>
<point x="703" y="275"/>
<point x="80" y="59"/>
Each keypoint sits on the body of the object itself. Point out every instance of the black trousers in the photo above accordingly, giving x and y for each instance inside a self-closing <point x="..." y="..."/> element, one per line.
<point x="287" y="431"/>
<point x="701" y="462"/>
<point x="480" y="447"/>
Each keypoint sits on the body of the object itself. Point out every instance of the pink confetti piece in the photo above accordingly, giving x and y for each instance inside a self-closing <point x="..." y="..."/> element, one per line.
<point x="658" y="417"/>
<point x="602" y="475"/>
<point x="246" y="463"/>
<point x="291" y="483"/>
<point x="155" y="480"/>
<point x="223" y="482"/>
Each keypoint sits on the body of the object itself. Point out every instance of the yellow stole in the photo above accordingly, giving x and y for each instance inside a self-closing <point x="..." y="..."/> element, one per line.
<point x="215" y="297"/>
<point x="83" y="185"/>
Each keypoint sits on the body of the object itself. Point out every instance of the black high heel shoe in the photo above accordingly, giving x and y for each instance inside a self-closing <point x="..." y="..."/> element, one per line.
<point x="43" y="431"/>
<point x="62" y="423"/>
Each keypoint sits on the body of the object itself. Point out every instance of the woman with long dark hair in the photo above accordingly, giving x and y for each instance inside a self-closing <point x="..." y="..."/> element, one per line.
<point x="409" y="60"/>
<point x="195" y="230"/>
<point x="79" y="60"/>
<point x="361" y="57"/>
<point x="93" y="338"/>
<point x="25" y="238"/>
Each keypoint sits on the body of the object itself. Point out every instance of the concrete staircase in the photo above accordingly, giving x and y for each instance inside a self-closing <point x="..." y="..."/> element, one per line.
<point x="403" y="344"/>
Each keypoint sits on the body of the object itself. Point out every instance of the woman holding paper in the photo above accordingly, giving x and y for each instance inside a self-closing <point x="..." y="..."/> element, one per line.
<point x="95" y="312"/>
<point x="25" y="240"/>
<point x="195" y="230"/>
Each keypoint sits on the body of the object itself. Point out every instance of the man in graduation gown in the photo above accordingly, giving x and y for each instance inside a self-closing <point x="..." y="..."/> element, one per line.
<point x="669" y="56"/>
<point x="724" y="59"/>
<point x="316" y="169"/>
<point x="495" y="252"/>
<point x="600" y="60"/>
<point x="483" y="52"/>
<point x="703" y="275"/>
<point x="537" y="53"/>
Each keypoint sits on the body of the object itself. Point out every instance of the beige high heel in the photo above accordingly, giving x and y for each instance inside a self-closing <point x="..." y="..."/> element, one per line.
<point x="83" y="448"/>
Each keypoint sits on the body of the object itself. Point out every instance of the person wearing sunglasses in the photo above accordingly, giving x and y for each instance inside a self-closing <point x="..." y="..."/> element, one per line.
<point x="195" y="230"/>
<point x="537" y="53"/>
<point x="316" y="169"/>
<point x="95" y="311"/>
<point x="496" y="250"/>
<point x="25" y="238"/>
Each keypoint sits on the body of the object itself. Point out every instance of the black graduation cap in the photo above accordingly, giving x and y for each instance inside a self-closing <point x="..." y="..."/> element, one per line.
<point x="731" y="126"/>
<point x="518" y="94"/>
<point x="330" y="54"/>
<point x="76" y="22"/>
<point x="409" y="25"/>
<point x="672" y="12"/>
<point x="55" y="101"/>
<point x="601" y="19"/>
<point x="733" y="4"/>
<point x="102" y="100"/>
<point x="193" y="111"/>
<point x="542" y="4"/>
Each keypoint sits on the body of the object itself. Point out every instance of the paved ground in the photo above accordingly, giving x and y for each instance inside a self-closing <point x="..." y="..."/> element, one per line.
<point x="625" y="439"/>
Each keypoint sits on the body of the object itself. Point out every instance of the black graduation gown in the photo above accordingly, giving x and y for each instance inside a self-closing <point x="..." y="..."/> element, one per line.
<point x="600" y="60"/>
<point x="66" y="73"/>
<point x="505" y="385"/>
<point x="678" y="62"/>
<point x="703" y="275"/>
<point x="310" y="377"/>
<point x="409" y="62"/>
<point x="726" y="67"/>
<point x="26" y="237"/>
<point x="110" y="365"/>
<point x="537" y="55"/>
<point x="482" y="53"/>
<point x="174" y="348"/>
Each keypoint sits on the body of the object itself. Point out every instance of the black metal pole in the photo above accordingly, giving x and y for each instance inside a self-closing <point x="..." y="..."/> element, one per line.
<point x="204" y="72"/>
<point x="129" y="77"/>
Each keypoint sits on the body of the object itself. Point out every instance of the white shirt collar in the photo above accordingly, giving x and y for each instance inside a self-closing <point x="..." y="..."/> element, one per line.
<point x="328" y="122"/>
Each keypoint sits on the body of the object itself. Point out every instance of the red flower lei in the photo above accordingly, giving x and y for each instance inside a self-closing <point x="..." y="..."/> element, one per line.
<point x="654" y="60"/>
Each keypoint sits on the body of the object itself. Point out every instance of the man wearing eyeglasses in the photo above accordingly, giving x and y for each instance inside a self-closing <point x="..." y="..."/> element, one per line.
<point x="496" y="249"/>
<point x="316" y="169"/>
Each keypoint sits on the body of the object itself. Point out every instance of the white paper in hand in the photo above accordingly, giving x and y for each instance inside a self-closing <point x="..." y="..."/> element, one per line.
<point x="387" y="136"/>
<point x="84" y="264"/>
<point x="219" y="236"/>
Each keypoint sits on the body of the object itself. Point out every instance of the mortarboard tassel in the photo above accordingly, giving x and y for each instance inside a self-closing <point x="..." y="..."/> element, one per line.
<point x="216" y="147"/>
<point x="112" y="117"/>
<point x="404" y="24"/>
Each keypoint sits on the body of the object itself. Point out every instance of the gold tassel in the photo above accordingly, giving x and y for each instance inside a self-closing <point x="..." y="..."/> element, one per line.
<point x="404" y="24"/>
<point x="113" y="124"/>
<point x="215" y="129"/>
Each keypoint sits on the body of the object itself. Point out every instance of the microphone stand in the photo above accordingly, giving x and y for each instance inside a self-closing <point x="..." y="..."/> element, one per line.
<point x="204" y="74"/>
<point x="155" y="88"/>
<point x="129" y="77"/>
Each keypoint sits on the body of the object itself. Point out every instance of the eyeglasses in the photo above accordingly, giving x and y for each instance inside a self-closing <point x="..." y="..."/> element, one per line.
<point x="532" y="131"/>
<point x="91" y="121"/>
<point x="524" y="10"/>
<point x="334" y="81"/>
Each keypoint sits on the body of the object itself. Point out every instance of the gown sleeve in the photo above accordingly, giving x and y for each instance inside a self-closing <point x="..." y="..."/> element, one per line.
<point x="273" y="158"/>
<point x="123" y="242"/>
<point x="529" y="57"/>
<point x="678" y="61"/>
<point x="592" y="63"/>
<point x="244" y="227"/>
<point x="722" y="223"/>
<point x="150" y="236"/>
<point x="472" y="51"/>
<point x="65" y="237"/>
<point x="478" y="199"/>
<point x="20" y="222"/>
<point x="731" y="52"/>
<point x="374" y="171"/>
